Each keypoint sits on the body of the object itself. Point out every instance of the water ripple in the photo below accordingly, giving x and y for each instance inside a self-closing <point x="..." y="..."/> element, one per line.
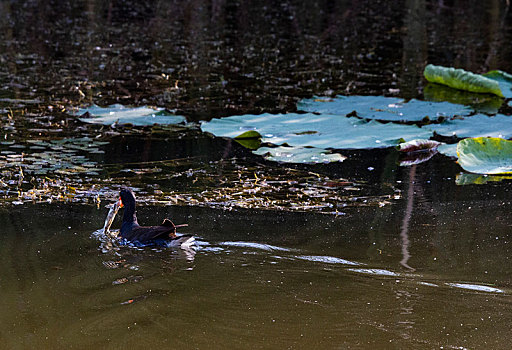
<point x="378" y="272"/>
<point x="327" y="259"/>
<point x="253" y="245"/>
<point x="476" y="287"/>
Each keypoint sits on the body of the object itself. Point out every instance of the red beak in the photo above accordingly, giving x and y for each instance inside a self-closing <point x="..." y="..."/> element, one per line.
<point x="121" y="203"/>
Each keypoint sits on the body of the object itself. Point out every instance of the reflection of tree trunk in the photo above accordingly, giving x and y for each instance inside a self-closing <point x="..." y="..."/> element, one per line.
<point x="382" y="215"/>
<point x="217" y="11"/>
<point x="7" y="29"/>
<point x="414" y="47"/>
<point x="496" y="28"/>
<point x="404" y="233"/>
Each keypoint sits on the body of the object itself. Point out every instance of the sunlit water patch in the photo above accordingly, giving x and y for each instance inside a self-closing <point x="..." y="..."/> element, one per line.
<point x="476" y="287"/>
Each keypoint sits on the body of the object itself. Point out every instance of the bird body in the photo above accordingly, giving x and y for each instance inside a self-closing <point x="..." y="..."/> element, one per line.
<point x="132" y="231"/>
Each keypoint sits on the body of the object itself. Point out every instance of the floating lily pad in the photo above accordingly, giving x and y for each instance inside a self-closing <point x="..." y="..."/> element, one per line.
<point x="125" y="115"/>
<point x="449" y="150"/>
<point x="299" y="155"/>
<point x="461" y="79"/>
<point x="321" y="131"/>
<point x="479" y="125"/>
<point x="383" y="108"/>
<point x="485" y="155"/>
<point x="343" y="105"/>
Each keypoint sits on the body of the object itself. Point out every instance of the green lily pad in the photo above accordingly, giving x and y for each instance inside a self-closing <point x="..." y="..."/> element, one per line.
<point x="383" y="108"/>
<point x="479" y="125"/>
<point x="249" y="143"/>
<point x="248" y="135"/>
<point x="125" y="115"/>
<point x="250" y="139"/>
<point x="321" y="131"/>
<point x="485" y="155"/>
<point x="299" y="155"/>
<point x="461" y="79"/>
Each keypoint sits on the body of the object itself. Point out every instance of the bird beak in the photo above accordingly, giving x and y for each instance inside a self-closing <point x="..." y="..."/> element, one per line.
<point x="120" y="203"/>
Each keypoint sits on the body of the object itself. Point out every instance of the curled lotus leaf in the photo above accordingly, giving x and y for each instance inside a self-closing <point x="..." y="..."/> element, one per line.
<point x="418" y="146"/>
<point x="461" y="79"/>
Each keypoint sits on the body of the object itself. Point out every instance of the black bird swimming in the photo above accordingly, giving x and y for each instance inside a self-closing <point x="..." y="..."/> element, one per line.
<point x="132" y="231"/>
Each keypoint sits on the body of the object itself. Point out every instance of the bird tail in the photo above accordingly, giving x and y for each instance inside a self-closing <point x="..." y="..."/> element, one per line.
<point x="183" y="241"/>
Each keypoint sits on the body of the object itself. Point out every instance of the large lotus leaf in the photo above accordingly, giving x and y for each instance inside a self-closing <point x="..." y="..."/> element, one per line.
<point x="126" y="115"/>
<point x="304" y="155"/>
<point x="485" y="155"/>
<point x="504" y="80"/>
<point x="322" y="131"/>
<point x="461" y="79"/>
<point x="482" y="103"/>
<point x="383" y="108"/>
<point x="479" y="125"/>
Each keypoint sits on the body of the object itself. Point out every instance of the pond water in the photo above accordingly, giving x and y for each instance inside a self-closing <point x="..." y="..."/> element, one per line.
<point x="359" y="254"/>
<point x="285" y="280"/>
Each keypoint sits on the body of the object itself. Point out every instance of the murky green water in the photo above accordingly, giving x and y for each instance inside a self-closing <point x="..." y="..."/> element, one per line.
<point x="362" y="254"/>
<point x="261" y="281"/>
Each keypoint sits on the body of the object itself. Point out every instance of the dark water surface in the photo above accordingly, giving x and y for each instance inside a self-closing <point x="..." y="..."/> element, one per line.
<point x="362" y="254"/>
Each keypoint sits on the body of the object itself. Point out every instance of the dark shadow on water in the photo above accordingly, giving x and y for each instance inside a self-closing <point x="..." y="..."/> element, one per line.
<point x="209" y="59"/>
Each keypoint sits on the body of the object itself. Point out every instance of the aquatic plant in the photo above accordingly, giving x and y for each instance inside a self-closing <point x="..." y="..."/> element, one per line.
<point x="494" y="82"/>
<point x="485" y="155"/>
